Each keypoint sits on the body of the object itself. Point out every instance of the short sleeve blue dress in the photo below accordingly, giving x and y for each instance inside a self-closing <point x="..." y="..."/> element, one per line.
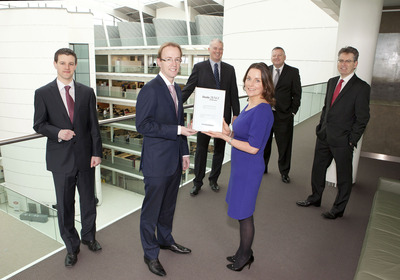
<point x="247" y="170"/>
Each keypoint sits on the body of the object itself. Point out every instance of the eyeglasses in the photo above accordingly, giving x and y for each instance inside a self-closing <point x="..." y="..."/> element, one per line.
<point x="345" y="61"/>
<point x="170" y="59"/>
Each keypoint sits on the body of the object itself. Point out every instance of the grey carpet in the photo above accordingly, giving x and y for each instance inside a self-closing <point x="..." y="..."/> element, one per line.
<point x="290" y="242"/>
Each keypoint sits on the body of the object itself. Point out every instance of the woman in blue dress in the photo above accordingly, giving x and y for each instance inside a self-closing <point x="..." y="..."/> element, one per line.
<point x="248" y="138"/>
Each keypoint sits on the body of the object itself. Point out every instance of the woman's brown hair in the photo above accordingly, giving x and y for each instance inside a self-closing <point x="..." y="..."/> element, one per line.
<point x="266" y="78"/>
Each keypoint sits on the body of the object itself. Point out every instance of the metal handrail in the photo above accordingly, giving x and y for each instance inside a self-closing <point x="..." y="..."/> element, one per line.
<point x="37" y="135"/>
<point x="101" y="122"/>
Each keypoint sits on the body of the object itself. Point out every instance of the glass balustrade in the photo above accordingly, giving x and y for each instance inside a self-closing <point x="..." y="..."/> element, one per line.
<point x="117" y="92"/>
<point x="35" y="214"/>
<point x="127" y="69"/>
<point x="312" y="101"/>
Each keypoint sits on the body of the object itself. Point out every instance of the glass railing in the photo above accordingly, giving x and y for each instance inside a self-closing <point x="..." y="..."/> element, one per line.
<point x="130" y="69"/>
<point x="122" y="147"/>
<point x="33" y="213"/>
<point x="117" y="92"/>
<point x="312" y="101"/>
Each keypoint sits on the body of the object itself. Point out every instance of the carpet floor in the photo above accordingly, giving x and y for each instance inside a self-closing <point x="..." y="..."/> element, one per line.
<point x="290" y="242"/>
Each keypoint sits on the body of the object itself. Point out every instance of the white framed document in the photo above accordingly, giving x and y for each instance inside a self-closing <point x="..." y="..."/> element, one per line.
<point x="208" y="113"/>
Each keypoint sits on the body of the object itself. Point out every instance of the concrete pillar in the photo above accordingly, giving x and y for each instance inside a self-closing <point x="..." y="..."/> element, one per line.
<point x="190" y="64"/>
<point x="109" y="62"/>
<point x="146" y="63"/>
<point x="359" y="23"/>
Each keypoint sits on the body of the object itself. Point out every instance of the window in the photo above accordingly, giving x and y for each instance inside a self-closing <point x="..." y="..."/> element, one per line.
<point x="82" y="72"/>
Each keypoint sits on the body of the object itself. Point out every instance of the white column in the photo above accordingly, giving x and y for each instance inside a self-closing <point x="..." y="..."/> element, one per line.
<point x="359" y="23"/>
<point x="188" y="22"/>
<point x="146" y="63"/>
<point x="109" y="59"/>
<point x="106" y="33"/>
<point x="142" y="25"/>
<point x="190" y="64"/>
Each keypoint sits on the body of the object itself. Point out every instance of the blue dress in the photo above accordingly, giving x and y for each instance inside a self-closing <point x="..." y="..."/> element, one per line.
<point x="247" y="170"/>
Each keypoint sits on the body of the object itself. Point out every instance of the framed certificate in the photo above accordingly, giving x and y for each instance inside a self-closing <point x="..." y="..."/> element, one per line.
<point x="208" y="111"/>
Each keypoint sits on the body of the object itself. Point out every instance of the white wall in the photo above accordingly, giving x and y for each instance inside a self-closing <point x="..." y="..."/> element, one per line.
<point x="29" y="38"/>
<point x="176" y="13"/>
<point x="306" y="33"/>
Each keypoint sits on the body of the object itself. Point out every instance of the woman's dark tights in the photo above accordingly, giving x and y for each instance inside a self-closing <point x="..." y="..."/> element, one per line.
<point x="244" y="252"/>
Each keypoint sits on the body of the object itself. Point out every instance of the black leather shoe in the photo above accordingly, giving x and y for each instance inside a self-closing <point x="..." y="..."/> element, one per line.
<point x="285" y="179"/>
<point x="214" y="186"/>
<point x="155" y="266"/>
<point x="195" y="191"/>
<point x="306" y="203"/>
<point x="231" y="259"/>
<point x="71" y="259"/>
<point x="330" y="215"/>
<point x="176" y="248"/>
<point x="93" y="245"/>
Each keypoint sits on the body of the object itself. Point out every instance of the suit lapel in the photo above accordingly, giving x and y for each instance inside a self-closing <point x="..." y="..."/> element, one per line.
<point x="345" y="89"/>
<point x="179" y="96"/>
<point x="210" y="73"/>
<point x="283" y="74"/>
<point x="78" y="99"/>
<point x="167" y="94"/>
<point x="331" y="91"/>
<point x="222" y="75"/>
<point x="57" y="100"/>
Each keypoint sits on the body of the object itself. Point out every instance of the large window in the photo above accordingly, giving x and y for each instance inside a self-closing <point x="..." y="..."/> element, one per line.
<point x="82" y="72"/>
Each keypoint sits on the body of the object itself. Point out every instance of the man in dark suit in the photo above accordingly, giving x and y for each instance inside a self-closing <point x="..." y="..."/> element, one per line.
<point x="343" y="120"/>
<point x="65" y="112"/>
<point x="165" y="153"/>
<point x="215" y="74"/>
<point x="287" y="94"/>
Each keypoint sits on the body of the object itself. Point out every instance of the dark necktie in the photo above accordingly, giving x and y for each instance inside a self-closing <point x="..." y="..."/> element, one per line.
<point x="276" y="77"/>
<point x="70" y="103"/>
<point x="173" y="94"/>
<point x="216" y="75"/>
<point x="337" y="91"/>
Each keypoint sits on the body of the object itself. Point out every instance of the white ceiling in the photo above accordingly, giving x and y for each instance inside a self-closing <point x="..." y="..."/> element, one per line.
<point x="129" y="10"/>
<point x="332" y="7"/>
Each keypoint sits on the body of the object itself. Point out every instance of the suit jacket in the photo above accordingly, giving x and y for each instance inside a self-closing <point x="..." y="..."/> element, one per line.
<point x="51" y="116"/>
<point x="157" y="121"/>
<point x="203" y="76"/>
<point x="345" y="121"/>
<point x="287" y="92"/>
